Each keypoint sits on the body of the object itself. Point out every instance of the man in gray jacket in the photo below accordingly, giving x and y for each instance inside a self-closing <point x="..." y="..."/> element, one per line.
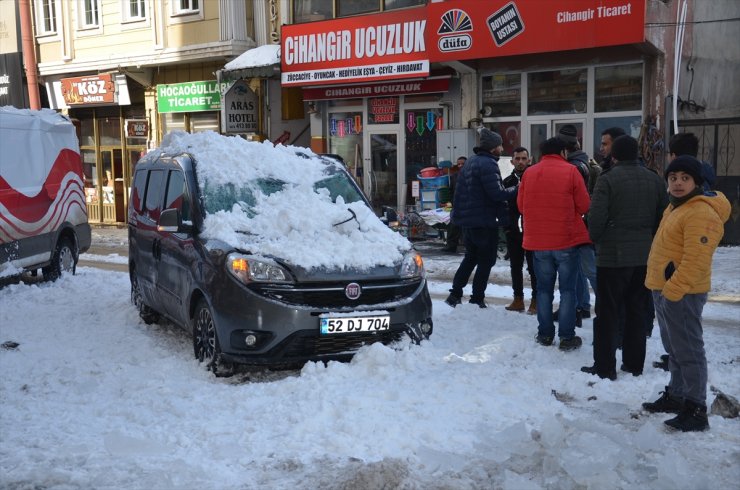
<point x="626" y="208"/>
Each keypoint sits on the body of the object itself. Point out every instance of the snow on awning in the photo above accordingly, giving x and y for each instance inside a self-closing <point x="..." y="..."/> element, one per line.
<point x="260" y="62"/>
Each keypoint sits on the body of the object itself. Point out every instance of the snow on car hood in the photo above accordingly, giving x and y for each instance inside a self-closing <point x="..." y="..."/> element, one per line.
<point x="297" y="224"/>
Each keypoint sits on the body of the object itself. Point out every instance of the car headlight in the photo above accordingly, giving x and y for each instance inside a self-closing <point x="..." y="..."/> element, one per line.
<point x="412" y="265"/>
<point x="250" y="269"/>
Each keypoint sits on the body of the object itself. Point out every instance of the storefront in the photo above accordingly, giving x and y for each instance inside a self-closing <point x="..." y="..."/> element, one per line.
<point x="521" y="68"/>
<point x="108" y="110"/>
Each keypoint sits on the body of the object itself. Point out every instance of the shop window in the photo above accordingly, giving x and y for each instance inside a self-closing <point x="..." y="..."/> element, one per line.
<point x="630" y="125"/>
<point x="90" y="170"/>
<point x="557" y="92"/>
<point x="345" y="140"/>
<point x="87" y="132"/>
<point x="421" y="127"/>
<point x="354" y="7"/>
<point x="382" y="110"/>
<point x="511" y="132"/>
<point x="204" y="121"/>
<point x="173" y="121"/>
<point x="502" y="95"/>
<point x="110" y="131"/>
<point x="311" y="10"/>
<point x="618" y="88"/>
<point x="399" y="4"/>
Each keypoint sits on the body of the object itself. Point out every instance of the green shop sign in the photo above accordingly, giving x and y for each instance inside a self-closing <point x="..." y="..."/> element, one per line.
<point x="190" y="96"/>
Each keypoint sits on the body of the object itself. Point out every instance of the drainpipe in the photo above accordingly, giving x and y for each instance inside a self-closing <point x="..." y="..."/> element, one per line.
<point x="29" y="54"/>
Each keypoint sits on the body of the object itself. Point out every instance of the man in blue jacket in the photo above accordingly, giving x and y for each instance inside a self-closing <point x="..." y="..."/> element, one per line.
<point x="479" y="208"/>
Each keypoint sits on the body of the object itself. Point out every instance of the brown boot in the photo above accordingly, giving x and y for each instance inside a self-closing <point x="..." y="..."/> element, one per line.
<point x="532" y="307"/>
<point x="517" y="304"/>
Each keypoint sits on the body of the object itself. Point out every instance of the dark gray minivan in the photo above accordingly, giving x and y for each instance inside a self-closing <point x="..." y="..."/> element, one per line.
<point x="267" y="255"/>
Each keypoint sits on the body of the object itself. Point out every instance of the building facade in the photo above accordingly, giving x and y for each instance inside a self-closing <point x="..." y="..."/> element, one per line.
<point x="391" y="86"/>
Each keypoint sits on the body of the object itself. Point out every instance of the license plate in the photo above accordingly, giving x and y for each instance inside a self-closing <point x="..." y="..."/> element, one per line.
<point x="345" y="324"/>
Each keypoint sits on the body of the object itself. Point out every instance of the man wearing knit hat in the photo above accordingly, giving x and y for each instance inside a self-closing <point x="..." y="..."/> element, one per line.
<point x="479" y="208"/>
<point x="679" y="272"/>
<point x="626" y="207"/>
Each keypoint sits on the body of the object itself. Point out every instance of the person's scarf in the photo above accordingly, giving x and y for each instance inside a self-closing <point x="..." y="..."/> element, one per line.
<point x="677" y="201"/>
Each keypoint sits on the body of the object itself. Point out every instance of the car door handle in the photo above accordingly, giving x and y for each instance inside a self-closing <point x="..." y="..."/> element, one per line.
<point x="157" y="249"/>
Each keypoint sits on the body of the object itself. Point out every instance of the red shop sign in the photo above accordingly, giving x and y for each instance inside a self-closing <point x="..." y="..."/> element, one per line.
<point x="91" y="89"/>
<point x="430" y="85"/>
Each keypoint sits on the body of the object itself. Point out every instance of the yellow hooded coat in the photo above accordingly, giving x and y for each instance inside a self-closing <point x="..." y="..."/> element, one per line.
<point x="680" y="260"/>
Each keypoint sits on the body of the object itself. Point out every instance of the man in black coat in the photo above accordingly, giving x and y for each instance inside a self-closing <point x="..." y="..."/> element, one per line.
<point x="479" y="208"/>
<point x="625" y="212"/>
<point x="521" y="160"/>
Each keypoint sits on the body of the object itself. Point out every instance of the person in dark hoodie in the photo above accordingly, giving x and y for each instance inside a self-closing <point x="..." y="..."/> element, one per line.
<point x="479" y="208"/>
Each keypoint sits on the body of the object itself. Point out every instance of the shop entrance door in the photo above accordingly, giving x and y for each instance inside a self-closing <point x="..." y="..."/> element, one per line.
<point x="114" y="202"/>
<point x="381" y="169"/>
<point x="540" y="131"/>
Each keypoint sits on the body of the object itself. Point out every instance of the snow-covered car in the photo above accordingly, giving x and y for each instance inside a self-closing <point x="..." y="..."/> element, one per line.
<point x="267" y="255"/>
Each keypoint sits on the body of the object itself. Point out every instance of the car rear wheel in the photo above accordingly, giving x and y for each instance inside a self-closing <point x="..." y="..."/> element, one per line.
<point x="64" y="260"/>
<point x="147" y="314"/>
<point x="205" y="341"/>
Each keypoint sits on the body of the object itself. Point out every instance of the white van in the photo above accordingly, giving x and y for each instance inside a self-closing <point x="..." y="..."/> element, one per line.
<point x="43" y="216"/>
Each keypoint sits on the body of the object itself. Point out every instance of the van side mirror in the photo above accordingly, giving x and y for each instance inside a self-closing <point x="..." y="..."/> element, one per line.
<point x="171" y="222"/>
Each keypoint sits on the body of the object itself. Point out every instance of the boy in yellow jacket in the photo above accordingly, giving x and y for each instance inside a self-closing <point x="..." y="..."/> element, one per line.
<point x="679" y="274"/>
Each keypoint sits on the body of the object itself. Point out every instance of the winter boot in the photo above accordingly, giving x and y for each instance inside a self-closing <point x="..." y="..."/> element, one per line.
<point x="453" y="300"/>
<point x="532" y="307"/>
<point x="517" y="304"/>
<point x="667" y="403"/>
<point x="693" y="418"/>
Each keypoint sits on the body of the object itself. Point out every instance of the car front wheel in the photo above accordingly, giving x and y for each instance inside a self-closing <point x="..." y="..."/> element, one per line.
<point x="64" y="260"/>
<point x="205" y="341"/>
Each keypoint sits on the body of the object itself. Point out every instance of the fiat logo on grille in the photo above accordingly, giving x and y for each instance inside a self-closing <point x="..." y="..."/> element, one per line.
<point x="353" y="290"/>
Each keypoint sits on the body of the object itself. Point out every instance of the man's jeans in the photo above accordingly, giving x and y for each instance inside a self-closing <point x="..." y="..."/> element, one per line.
<point x="562" y="265"/>
<point x="481" y="247"/>
<point x="586" y="275"/>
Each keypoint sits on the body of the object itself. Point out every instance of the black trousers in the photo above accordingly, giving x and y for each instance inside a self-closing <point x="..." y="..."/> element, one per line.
<point x="620" y="288"/>
<point x="481" y="246"/>
<point x="517" y="256"/>
<point x="453" y="235"/>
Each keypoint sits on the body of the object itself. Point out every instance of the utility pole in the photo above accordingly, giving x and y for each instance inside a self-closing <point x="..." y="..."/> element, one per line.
<point x="29" y="54"/>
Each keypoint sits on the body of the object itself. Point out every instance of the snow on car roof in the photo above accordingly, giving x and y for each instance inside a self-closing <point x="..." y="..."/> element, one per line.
<point x="297" y="224"/>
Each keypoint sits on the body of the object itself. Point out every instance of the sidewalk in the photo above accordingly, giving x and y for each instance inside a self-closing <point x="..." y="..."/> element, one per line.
<point x="441" y="266"/>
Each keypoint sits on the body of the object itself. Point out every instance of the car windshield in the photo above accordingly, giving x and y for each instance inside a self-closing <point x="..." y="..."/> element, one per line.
<point x="247" y="194"/>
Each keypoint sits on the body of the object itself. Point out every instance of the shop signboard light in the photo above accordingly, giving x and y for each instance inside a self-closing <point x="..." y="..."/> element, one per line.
<point x="383" y="46"/>
<point x="190" y="96"/>
<point x="474" y="29"/>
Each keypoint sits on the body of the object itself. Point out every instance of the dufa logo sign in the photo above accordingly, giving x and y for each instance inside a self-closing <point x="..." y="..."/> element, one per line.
<point x="455" y="23"/>
<point x="505" y="24"/>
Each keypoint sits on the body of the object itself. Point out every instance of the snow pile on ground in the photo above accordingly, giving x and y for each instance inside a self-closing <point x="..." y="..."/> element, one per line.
<point x="94" y="398"/>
